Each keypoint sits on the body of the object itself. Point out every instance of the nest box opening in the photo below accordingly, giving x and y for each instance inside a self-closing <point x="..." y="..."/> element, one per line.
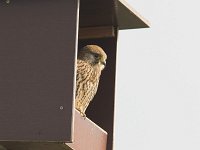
<point x="101" y="108"/>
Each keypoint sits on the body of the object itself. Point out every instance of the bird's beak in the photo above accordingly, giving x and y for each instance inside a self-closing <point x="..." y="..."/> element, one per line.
<point x="103" y="63"/>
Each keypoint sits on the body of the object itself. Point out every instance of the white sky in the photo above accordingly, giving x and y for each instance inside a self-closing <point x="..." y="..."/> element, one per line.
<point x="158" y="80"/>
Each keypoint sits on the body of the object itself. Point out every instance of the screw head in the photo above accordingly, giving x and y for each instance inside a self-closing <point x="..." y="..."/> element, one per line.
<point x="61" y="107"/>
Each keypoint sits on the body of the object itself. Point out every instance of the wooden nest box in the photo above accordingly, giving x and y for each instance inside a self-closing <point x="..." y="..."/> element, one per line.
<point x="39" y="40"/>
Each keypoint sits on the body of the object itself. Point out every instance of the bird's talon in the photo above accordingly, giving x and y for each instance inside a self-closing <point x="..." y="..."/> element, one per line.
<point x="83" y="115"/>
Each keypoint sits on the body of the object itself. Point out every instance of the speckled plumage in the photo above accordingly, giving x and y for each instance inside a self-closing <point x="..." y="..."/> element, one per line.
<point x="91" y="61"/>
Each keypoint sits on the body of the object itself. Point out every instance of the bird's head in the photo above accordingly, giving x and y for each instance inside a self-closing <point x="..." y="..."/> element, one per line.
<point x="94" y="55"/>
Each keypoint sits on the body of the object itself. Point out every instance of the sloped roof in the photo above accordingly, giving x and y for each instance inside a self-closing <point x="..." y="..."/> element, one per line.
<point x="128" y="18"/>
<point x="110" y="13"/>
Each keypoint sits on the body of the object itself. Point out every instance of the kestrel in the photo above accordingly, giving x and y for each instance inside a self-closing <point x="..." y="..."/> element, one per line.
<point x="91" y="61"/>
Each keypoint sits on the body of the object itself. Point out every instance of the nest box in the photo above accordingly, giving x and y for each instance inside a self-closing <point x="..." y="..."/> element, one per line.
<point x="39" y="40"/>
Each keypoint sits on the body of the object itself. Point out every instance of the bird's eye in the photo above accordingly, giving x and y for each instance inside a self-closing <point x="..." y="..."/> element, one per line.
<point x="96" y="55"/>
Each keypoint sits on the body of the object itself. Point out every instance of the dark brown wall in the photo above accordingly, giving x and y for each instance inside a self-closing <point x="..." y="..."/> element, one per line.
<point x="37" y="50"/>
<point x="97" y="13"/>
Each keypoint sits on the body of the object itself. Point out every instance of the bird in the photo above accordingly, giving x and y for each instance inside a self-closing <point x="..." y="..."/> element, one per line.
<point x="91" y="60"/>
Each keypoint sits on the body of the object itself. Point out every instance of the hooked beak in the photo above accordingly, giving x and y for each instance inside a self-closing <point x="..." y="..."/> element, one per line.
<point x="103" y="63"/>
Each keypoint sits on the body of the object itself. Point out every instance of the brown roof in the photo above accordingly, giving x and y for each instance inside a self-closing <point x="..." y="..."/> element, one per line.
<point x="110" y="12"/>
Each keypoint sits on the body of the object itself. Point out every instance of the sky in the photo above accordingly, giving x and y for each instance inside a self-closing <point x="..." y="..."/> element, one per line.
<point x="158" y="79"/>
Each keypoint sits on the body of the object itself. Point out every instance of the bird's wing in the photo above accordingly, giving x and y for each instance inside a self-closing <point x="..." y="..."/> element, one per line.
<point x="82" y="76"/>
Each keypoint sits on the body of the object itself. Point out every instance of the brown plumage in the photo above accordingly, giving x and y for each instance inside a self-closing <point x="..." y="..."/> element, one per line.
<point x="91" y="61"/>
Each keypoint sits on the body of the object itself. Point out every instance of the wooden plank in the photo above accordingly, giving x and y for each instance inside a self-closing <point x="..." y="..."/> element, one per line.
<point x="34" y="146"/>
<point x="38" y="42"/>
<point x="87" y="135"/>
<point x="96" y="32"/>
